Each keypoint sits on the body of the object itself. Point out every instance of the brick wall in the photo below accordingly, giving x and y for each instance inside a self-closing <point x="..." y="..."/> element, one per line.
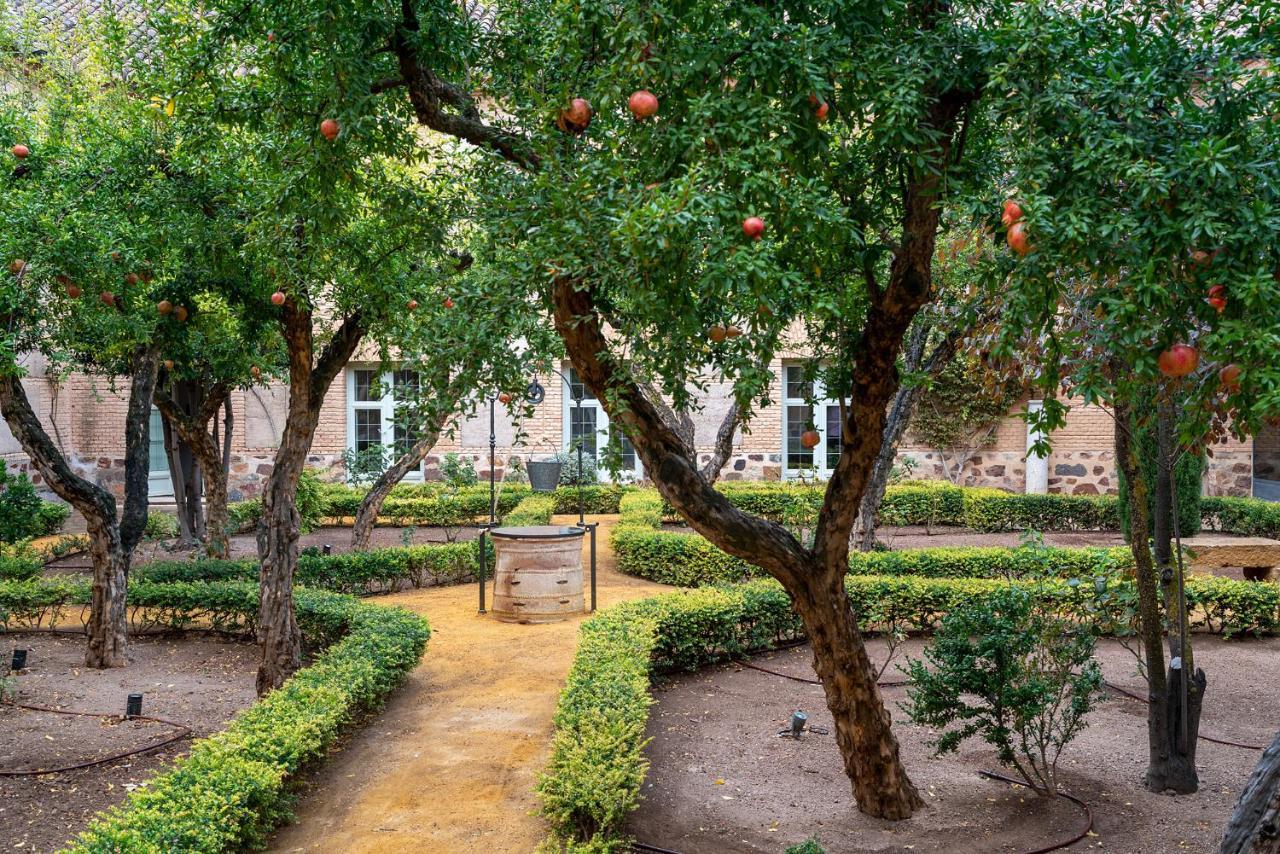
<point x="90" y="415"/>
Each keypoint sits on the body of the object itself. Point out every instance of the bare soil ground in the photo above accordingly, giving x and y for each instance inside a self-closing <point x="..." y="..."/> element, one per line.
<point x="722" y="781"/>
<point x="197" y="681"/>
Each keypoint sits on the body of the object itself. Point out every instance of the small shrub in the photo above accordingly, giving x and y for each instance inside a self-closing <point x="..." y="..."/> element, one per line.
<point x="569" y="468"/>
<point x="1009" y="672"/>
<point x="23" y="514"/>
<point x="365" y="466"/>
<point x="19" y="562"/>
<point x="160" y="526"/>
<point x="457" y="471"/>
<point x="536" y="509"/>
<point x="310" y="499"/>
<point x="809" y="846"/>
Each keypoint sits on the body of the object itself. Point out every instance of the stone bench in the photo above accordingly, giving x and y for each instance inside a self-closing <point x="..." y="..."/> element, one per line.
<point x="1254" y="558"/>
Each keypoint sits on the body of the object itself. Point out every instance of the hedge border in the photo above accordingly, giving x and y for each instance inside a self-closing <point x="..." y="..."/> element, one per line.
<point x="597" y="767"/>
<point x="233" y="787"/>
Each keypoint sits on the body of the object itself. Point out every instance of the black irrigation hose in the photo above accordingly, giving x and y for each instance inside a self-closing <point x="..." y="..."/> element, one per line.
<point x="1131" y="695"/>
<point x="991" y="775"/>
<point x="893" y="683"/>
<point x="184" y="731"/>
<point x="651" y="849"/>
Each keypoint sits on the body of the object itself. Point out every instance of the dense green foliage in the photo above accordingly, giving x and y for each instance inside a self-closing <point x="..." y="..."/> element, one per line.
<point x="23" y="514"/>
<point x="1005" y="670"/>
<point x="19" y="561"/>
<point x="373" y="571"/>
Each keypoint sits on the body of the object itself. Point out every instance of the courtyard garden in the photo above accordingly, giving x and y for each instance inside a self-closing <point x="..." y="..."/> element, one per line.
<point x="668" y="427"/>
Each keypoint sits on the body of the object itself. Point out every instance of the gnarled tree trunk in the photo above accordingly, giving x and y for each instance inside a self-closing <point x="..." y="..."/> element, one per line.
<point x="1254" y="827"/>
<point x="111" y="538"/>
<point x="190" y="419"/>
<point x="280" y="525"/>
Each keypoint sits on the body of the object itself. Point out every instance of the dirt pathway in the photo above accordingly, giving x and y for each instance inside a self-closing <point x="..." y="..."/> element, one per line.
<point x="450" y="764"/>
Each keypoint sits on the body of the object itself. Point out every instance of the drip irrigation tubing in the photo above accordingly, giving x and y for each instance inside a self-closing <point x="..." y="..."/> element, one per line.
<point x="184" y="731"/>
<point x="1067" y="843"/>
<point x="891" y="683"/>
<point x="902" y="682"/>
<point x="1141" y="699"/>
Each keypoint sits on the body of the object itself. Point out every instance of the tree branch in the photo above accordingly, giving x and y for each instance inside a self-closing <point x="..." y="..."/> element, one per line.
<point x="763" y="543"/>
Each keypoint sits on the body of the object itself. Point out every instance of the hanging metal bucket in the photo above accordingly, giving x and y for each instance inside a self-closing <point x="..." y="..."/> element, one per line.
<point x="544" y="476"/>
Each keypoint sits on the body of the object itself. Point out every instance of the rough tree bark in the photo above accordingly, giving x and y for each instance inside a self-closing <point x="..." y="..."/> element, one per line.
<point x="280" y="525"/>
<point x="190" y="419"/>
<point x="112" y="538"/>
<point x="1254" y="827"/>
<point x="1171" y="759"/>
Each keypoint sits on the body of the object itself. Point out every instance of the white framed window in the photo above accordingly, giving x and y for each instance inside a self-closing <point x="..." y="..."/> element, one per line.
<point x="159" y="480"/>
<point x="590" y="425"/>
<point x="373" y="396"/>
<point x="800" y="415"/>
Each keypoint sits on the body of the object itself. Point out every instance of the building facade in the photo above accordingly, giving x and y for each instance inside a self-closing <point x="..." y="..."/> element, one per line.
<point x="85" y="416"/>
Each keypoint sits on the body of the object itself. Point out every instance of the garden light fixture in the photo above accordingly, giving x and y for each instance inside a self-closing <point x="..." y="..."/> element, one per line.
<point x="133" y="706"/>
<point x="19" y="660"/>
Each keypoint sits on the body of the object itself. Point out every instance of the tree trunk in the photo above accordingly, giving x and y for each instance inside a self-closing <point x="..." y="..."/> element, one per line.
<point x="1254" y="827"/>
<point x="112" y="538"/>
<point x="108" y="619"/>
<point x="814" y="579"/>
<point x="1169" y="765"/>
<point x="190" y="420"/>
<point x="864" y="527"/>
<point x="280" y="525"/>
<point x="371" y="504"/>
<point x="177" y="477"/>
<point x="862" y="723"/>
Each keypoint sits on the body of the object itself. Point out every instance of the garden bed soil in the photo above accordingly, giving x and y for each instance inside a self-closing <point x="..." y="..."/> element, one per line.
<point x="722" y="781"/>
<point x="246" y="545"/>
<point x="198" y="681"/>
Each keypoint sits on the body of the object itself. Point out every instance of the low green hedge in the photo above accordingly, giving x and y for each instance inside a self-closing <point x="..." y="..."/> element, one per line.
<point x="19" y="561"/>
<point x="536" y="509"/>
<point x="231" y="790"/>
<point x="688" y="560"/>
<point x="597" y="766"/>
<point x="373" y="571"/>
<point x="1250" y="517"/>
<point x="997" y="510"/>
<point x="641" y="507"/>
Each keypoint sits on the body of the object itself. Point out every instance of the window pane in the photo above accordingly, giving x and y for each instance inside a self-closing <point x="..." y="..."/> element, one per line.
<point x="626" y="450"/>
<point x="798" y="418"/>
<point x="368" y="428"/>
<point x="404" y="384"/>
<point x="796" y="387"/>
<point x="582" y="427"/>
<point x="366" y="386"/>
<point x="834" y="435"/>
<point x="159" y="459"/>
<point x="577" y="388"/>
<point x="405" y="438"/>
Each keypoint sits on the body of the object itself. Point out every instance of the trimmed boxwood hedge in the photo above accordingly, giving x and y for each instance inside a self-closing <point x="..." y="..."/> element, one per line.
<point x="231" y="790"/>
<point x="597" y="757"/>
<point x="536" y="509"/>
<point x="373" y="571"/>
<point x="597" y="766"/>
